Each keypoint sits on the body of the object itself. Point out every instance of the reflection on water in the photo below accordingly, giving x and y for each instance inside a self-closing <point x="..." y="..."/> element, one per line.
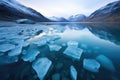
<point x="60" y="52"/>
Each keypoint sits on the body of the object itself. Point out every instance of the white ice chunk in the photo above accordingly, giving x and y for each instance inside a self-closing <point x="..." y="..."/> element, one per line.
<point x="54" y="47"/>
<point x="40" y="42"/>
<point x="73" y="73"/>
<point x="16" y="41"/>
<point x="6" y="47"/>
<point x="31" y="54"/>
<point x="72" y="44"/>
<point x="106" y="63"/>
<point x="20" y="42"/>
<point x="91" y="65"/>
<point x="41" y="66"/>
<point x="16" y="51"/>
<point x="73" y="52"/>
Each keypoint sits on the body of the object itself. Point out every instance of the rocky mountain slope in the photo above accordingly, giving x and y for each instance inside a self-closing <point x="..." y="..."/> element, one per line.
<point x="11" y="10"/>
<point x="108" y="13"/>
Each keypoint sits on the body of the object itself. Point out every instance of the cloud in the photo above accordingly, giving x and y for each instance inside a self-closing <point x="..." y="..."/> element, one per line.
<point x="65" y="8"/>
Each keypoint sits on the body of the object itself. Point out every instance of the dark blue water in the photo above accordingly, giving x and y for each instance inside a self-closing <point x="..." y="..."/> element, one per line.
<point x="94" y="39"/>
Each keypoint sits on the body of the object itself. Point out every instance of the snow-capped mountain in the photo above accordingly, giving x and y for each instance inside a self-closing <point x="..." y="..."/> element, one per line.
<point x="77" y="18"/>
<point x="58" y="19"/>
<point x="12" y="10"/>
<point x="109" y="13"/>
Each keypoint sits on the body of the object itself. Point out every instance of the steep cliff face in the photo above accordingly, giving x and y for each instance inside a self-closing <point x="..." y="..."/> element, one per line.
<point x="108" y="13"/>
<point x="13" y="10"/>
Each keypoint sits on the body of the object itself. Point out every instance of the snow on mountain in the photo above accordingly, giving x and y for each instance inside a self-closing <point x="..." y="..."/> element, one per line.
<point x="109" y="13"/>
<point x="58" y="19"/>
<point x="12" y="10"/>
<point x="77" y="18"/>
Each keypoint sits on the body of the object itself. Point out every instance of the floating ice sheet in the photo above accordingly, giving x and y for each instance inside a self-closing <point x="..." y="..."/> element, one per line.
<point x="54" y="47"/>
<point x="6" y="47"/>
<point x="106" y="63"/>
<point x="16" y="51"/>
<point x="31" y="53"/>
<point x="41" y="66"/>
<point x="19" y="42"/>
<point x="91" y="65"/>
<point x="40" y="42"/>
<point x="73" y="52"/>
<point x="73" y="73"/>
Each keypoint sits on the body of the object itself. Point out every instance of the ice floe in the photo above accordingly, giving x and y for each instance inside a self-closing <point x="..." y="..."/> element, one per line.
<point x="40" y="42"/>
<point x="106" y="63"/>
<point x="73" y="52"/>
<point x="54" y="47"/>
<point x="91" y="65"/>
<point x="41" y="66"/>
<point x="73" y="73"/>
<point x="31" y="53"/>
<point x="6" y="47"/>
<point x="16" y="51"/>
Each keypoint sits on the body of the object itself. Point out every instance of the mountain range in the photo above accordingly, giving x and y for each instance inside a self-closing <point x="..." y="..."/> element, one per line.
<point x="58" y="19"/>
<point x="77" y="18"/>
<point x="108" y="13"/>
<point x="11" y="10"/>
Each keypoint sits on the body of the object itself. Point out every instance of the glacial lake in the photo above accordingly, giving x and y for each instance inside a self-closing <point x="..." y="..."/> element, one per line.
<point x="60" y="51"/>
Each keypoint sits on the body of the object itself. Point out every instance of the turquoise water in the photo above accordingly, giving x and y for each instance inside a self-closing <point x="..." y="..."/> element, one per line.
<point x="94" y="39"/>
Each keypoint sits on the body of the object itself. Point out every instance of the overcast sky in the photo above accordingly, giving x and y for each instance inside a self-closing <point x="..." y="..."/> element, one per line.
<point x="65" y="8"/>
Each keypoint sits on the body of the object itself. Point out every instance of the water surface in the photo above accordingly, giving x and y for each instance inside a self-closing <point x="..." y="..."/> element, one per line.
<point x="93" y="38"/>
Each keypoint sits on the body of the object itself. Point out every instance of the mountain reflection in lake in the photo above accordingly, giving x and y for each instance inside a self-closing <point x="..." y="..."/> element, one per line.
<point x="72" y="51"/>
